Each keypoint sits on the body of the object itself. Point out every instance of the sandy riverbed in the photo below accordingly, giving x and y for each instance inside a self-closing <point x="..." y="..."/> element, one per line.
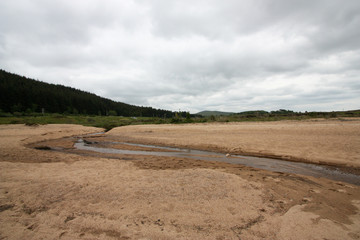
<point x="318" y="141"/>
<point x="57" y="195"/>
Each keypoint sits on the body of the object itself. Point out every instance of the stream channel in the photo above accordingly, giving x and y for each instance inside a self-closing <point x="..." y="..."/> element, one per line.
<point x="270" y="164"/>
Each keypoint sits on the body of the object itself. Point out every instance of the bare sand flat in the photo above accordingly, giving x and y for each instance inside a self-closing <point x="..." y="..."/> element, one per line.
<point x="72" y="195"/>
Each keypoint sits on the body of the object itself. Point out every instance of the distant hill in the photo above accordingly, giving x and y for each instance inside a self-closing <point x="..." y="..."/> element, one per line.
<point x="255" y="113"/>
<point x="261" y="114"/>
<point x="280" y="113"/>
<point x="21" y="94"/>
<point x="213" y="113"/>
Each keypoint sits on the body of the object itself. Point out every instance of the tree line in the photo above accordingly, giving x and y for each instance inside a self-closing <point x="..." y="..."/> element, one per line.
<point x="20" y="94"/>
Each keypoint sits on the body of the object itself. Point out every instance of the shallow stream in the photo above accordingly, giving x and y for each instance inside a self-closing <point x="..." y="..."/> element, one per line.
<point x="256" y="162"/>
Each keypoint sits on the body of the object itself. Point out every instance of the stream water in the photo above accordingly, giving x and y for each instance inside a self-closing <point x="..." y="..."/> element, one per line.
<point x="256" y="162"/>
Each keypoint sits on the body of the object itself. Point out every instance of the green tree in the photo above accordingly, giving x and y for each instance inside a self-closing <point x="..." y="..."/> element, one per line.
<point x="112" y="113"/>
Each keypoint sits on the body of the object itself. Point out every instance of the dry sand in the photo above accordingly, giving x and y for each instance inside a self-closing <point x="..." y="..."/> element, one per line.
<point x="67" y="195"/>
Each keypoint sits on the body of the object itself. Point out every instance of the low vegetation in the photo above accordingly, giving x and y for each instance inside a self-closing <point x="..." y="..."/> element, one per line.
<point x="109" y="122"/>
<point x="106" y="122"/>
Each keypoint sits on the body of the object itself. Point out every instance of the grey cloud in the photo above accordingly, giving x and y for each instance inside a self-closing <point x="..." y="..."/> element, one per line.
<point x="229" y="55"/>
<point x="209" y="18"/>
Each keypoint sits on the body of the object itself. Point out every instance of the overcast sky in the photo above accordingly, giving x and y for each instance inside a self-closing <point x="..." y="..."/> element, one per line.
<point x="226" y="55"/>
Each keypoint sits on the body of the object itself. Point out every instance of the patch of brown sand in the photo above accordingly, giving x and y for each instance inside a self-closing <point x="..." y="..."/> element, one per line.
<point x="328" y="199"/>
<point x="14" y="140"/>
<point x="147" y="197"/>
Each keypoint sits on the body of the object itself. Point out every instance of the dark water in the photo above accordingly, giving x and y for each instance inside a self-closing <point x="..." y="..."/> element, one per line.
<point x="256" y="162"/>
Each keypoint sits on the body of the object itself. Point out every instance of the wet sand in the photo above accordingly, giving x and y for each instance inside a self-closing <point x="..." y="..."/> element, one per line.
<point x="77" y="195"/>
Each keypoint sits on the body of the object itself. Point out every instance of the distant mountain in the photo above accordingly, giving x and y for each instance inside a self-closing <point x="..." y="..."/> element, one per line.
<point x="213" y="113"/>
<point x="21" y="94"/>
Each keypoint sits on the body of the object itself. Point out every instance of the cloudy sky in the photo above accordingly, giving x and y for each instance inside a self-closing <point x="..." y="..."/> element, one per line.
<point x="226" y="55"/>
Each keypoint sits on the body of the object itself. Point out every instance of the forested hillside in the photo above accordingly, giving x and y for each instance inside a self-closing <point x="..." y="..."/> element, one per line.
<point x="21" y="94"/>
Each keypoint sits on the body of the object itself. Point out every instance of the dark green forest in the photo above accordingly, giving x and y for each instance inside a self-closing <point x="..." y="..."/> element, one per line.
<point x="24" y="95"/>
